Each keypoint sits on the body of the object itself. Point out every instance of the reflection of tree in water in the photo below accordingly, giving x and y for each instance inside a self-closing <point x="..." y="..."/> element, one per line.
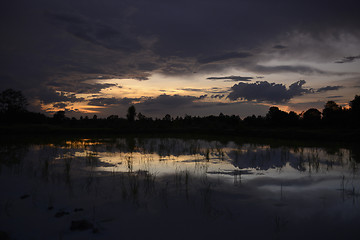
<point x="259" y="158"/>
<point x="12" y="154"/>
<point x="355" y="154"/>
<point x="354" y="158"/>
<point x="131" y="144"/>
<point x="162" y="146"/>
<point x="242" y="156"/>
<point x="302" y="159"/>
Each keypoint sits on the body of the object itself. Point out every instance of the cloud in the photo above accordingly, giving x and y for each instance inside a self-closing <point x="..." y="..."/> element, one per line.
<point x="191" y="89"/>
<point x="141" y="78"/>
<point x="348" y="59"/>
<point x="48" y="95"/>
<point x="306" y="70"/>
<point x="231" y="78"/>
<point x="331" y="97"/>
<point x="218" y="96"/>
<point x="329" y="88"/>
<point x="263" y="91"/>
<point x="111" y="101"/>
<point x="202" y="96"/>
<point x="303" y="106"/>
<point x="169" y="100"/>
<point x="82" y="87"/>
<point x="225" y="56"/>
<point x="213" y="90"/>
<point x="279" y="46"/>
<point x="132" y="39"/>
<point x="217" y="90"/>
<point x="96" y="32"/>
<point x="60" y="105"/>
<point x="177" y="105"/>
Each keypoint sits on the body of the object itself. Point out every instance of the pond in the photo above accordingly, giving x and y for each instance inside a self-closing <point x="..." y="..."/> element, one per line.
<point x="143" y="187"/>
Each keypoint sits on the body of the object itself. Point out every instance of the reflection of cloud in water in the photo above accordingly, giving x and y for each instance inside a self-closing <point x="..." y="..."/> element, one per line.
<point x="187" y="151"/>
<point x="265" y="158"/>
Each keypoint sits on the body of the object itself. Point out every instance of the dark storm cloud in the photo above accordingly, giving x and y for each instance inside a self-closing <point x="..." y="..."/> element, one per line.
<point x="225" y="56"/>
<point x="82" y="87"/>
<point x="231" y="78"/>
<point x="306" y="70"/>
<point x="50" y="96"/>
<point x="169" y="100"/>
<point x="264" y="91"/>
<point x="279" y="46"/>
<point x="41" y="39"/>
<point x="213" y="25"/>
<point x="329" y="88"/>
<point x="96" y="33"/>
<point x="348" y="59"/>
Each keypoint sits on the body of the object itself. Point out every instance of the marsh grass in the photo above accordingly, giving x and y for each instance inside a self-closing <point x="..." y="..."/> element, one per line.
<point x="129" y="163"/>
<point x="149" y="183"/>
<point x="207" y="154"/>
<point x="237" y="178"/>
<point x="45" y="169"/>
<point x="67" y="169"/>
<point x="206" y="194"/>
<point x="134" y="187"/>
<point x="91" y="158"/>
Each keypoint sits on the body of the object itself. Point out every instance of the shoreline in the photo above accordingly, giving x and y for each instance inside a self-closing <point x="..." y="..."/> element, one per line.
<point x="320" y="136"/>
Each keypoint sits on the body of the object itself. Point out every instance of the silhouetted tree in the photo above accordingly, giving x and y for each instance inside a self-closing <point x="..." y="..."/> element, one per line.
<point x="141" y="117"/>
<point x="12" y="101"/>
<point x="167" y="118"/>
<point x="112" y="117"/>
<point x="312" y="116"/>
<point x="355" y="107"/>
<point x="59" y="116"/>
<point x="131" y="113"/>
<point x="332" y="113"/>
<point x="355" y="104"/>
<point x="276" y="117"/>
<point x="293" y="118"/>
<point x="254" y="121"/>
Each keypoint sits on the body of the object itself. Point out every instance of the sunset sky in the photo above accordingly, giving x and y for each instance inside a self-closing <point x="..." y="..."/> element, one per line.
<point x="191" y="57"/>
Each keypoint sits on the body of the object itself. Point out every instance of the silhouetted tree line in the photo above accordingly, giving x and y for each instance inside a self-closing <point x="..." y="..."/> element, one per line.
<point x="13" y="110"/>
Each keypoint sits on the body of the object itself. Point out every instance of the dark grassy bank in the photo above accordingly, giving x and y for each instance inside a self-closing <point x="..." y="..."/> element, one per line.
<point x="312" y="134"/>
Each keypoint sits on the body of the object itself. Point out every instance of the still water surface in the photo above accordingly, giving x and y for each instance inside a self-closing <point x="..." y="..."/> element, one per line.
<point x="278" y="189"/>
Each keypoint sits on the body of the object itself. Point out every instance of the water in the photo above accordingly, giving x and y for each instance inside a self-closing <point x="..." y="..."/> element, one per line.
<point x="212" y="188"/>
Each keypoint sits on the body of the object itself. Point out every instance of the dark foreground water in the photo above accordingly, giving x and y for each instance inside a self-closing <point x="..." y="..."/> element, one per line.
<point x="173" y="188"/>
